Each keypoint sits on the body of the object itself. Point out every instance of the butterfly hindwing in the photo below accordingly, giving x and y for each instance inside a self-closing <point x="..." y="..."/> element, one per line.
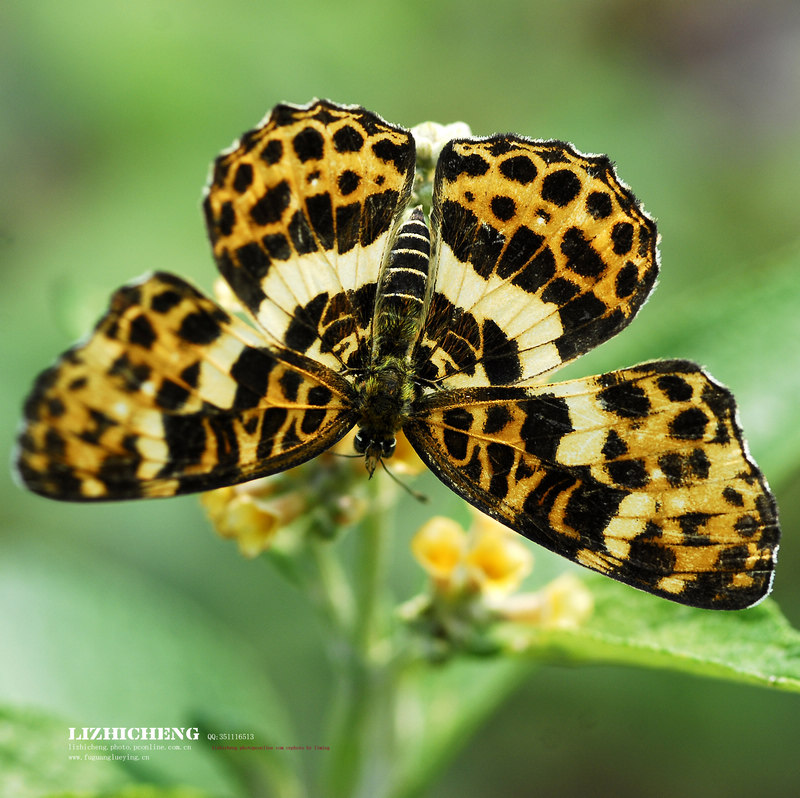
<point x="540" y="254"/>
<point x="640" y="474"/>
<point x="301" y="212"/>
<point x="171" y="394"/>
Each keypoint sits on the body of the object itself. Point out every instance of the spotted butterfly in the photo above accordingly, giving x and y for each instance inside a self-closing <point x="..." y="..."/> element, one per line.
<point x="371" y="314"/>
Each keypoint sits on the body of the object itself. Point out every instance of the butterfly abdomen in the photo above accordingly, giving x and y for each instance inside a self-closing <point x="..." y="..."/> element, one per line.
<point x="385" y="395"/>
<point x="401" y="292"/>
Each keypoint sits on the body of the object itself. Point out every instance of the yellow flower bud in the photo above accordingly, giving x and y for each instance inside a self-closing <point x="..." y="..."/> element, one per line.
<point x="439" y="547"/>
<point x="251" y="516"/>
<point x="564" y="603"/>
<point x="497" y="560"/>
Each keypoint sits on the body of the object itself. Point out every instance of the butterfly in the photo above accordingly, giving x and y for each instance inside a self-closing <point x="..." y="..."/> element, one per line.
<point x="446" y="325"/>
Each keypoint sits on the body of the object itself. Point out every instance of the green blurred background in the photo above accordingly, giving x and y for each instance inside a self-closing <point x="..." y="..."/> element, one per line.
<point x="110" y="113"/>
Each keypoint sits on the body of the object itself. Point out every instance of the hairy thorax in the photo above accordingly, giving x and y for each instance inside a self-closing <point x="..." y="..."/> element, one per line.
<point x="384" y="401"/>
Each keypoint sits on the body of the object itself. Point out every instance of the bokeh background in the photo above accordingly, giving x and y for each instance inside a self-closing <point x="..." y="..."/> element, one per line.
<point x="110" y="113"/>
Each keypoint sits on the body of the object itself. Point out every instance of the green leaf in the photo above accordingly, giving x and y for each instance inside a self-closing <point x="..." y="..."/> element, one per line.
<point x="754" y="646"/>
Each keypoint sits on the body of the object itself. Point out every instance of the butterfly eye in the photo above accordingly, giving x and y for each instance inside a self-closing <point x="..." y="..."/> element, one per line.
<point x="387" y="447"/>
<point x="360" y="443"/>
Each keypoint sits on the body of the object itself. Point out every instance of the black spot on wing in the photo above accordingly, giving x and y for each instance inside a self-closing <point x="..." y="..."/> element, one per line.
<point x="253" y="260"/>
<point x="676" y="388"/>
<point x="378" y="215"/>
<point x="320" y="395"/>
<point x="270" y="207"/>
<point x="311" y="421"/>
<point x="243" y="178"/>
<point x="537" y="273"/>
<point x="732" y="496"/>
<point x="590" y="508"/>
<point x="348" y="181"/>
<point x="401" y="155"/>
<point x="521" y="248"/>
<point x="347" y="139"/>
<point x="185" y="437"/>
<point x="503" y="208"/>
<point x="519" y="168"/>
<point x="277" y="245"/>
<point x="301" y="234"/>
<point x="560" y="187"/>
<point x="290" y="382"/>
<point x="501" y="359"/>
<point x="501" y="460"/>
<point x="247" y="289"/>
<point x="625" y="400"/>
<point x="309" y="144"/>
<point x="614" y="446"/>
<point x="622" y="237"/>
<point x="626" y="280"/>
<point x="272" y="152"/>
<point x="142" y="332"/>
<point x="452" y="164"/>
<point x="628" y="473"/>
<point x="455" y="443"/>
<point x="201" y="328"/>
<point x="271" y="424"/>
<point x="546" y="422"/>
<point x="497" y="418"/>
<point x="251" y="372"/>
<point x="598" y="205"/>
<point x="171" y="395"/>
<point x="581" y="256"/>
<point x="303" y="329"/>
<point x="689" y="424"/>
<point x="560" y="290"/>
<point x="165" y="301"/>
<point x="320" y="214"/>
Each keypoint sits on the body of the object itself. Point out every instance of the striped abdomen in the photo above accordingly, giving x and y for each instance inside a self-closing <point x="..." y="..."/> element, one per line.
<point x="402" y="289"/>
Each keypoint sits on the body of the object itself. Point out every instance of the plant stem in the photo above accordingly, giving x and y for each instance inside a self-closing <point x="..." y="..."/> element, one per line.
<point x="363" y="712"/>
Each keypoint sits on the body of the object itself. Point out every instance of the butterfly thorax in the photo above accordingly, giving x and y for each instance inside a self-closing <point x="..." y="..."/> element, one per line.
<point x="384" y="401"/>
<point x="386" y="393"/>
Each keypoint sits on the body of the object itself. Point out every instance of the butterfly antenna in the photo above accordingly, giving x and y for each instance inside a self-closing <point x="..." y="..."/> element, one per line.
<point x="420" y="497"/>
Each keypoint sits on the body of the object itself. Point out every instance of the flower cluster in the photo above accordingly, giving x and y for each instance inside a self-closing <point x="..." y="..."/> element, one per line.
<point x="474" y="577"/>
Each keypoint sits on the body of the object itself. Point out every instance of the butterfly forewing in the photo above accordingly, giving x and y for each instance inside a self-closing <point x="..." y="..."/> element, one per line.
<point x="541" y="253"/>
<point x="171" y="394"/>
<point x="640" y="474"/>
<point x="301" y="213"/>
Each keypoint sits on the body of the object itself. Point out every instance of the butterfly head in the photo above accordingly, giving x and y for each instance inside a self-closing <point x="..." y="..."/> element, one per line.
<point x="374" y="446"/>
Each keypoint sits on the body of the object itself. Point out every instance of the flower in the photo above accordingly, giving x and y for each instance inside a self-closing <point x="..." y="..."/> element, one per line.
<point x="497" y="560"/>
<point x="474" y="576"/>
<point x="439" y="546"/>
<point x="564" y="603"/>
<point x="430" y="138"/>
<point x="251" y="514"/>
